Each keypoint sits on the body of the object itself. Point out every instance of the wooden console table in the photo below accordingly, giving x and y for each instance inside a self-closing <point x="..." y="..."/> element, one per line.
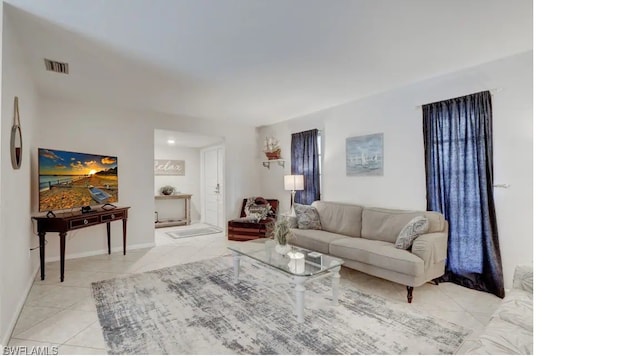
<point x="64" y="222"/>
<point x="186" y="220"/>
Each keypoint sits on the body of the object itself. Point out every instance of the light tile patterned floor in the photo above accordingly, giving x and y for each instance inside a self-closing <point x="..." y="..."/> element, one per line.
<point x="64" y="314"/>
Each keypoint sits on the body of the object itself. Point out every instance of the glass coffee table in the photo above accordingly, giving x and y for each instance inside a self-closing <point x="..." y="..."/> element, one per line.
<point x="299" y="269"/>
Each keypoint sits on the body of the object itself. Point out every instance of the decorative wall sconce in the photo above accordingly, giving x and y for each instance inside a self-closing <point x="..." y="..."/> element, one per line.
<point x="16" y="137"/>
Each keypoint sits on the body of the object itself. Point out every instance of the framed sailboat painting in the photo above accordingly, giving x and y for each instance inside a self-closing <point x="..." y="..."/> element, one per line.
<point x="365" y="155"/>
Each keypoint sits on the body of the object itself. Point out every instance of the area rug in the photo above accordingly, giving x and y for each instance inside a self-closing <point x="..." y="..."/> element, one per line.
<point x="179" y="234"/>
<point x="196" y="308"/>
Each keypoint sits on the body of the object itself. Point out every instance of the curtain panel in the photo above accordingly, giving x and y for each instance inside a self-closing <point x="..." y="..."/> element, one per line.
<point x="459" y="179"/>
<point x="304" y="161"/>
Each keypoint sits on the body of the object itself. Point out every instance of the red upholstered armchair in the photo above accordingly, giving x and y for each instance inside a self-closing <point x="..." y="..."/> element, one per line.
<point x="243" y="229"/>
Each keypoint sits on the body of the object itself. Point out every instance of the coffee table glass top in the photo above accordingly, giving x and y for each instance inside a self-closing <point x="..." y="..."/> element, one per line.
<point x="263" y="250"/>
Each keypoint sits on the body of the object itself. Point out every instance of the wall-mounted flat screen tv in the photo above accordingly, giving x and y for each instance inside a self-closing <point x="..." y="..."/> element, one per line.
<point x="70" y="179"/>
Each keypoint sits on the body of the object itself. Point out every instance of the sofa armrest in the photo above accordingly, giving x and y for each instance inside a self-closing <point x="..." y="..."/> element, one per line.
<point x="431" y="247"/>
<point x="523" y="278"/>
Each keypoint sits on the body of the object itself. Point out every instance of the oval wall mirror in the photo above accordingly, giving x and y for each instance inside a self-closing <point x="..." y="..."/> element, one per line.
<point x="16" y="137"/>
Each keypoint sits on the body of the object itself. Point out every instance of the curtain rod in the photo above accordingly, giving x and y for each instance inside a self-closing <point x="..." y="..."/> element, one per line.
<point x="492" y="91"/>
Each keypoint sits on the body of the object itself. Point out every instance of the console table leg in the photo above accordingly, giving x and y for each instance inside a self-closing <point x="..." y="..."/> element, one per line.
<point x="41" y="238"/>
<point x="109" y="237"/>
<point x="300" y="289"/>
<point x="124" y="236"/>
<point x="335" y="284"/>
<point x="63" y="243"/>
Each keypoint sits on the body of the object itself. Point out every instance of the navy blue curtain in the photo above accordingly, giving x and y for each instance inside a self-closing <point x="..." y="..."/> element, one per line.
<point x="304" y="161"/>
<point x="459" y="167"/>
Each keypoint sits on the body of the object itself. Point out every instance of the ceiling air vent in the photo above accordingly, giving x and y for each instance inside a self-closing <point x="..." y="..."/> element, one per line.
<point x="56" y="66"/>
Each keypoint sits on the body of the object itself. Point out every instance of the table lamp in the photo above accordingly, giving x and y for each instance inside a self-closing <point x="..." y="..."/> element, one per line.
<point x="293" y="183"/>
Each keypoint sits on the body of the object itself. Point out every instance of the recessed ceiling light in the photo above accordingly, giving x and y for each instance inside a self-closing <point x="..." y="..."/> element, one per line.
<point x="171" y="141"/>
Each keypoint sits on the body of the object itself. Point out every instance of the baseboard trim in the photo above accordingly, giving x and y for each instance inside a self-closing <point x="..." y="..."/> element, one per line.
<point x="14" y="320"/>
<point x="99" y="252"/>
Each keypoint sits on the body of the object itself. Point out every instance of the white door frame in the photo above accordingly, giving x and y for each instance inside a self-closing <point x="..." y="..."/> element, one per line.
<point x="203" y="191"/>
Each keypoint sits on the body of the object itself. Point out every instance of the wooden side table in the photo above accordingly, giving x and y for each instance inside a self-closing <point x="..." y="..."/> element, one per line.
<point x="62" y="223"/>
<point x="186" y="220"/>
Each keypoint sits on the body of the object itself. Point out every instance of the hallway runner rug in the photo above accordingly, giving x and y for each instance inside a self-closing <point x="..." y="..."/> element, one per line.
<point x="180" y="234"/>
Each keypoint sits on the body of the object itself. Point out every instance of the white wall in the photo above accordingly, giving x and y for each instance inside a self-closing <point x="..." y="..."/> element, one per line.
<point x="397" y="114"/>
<point x="72" y="127"/>
<point x="187" y="184"/>
<point x="129" y="135"/>
<point x="3" y="328"/>
<point x="17" y="263"/>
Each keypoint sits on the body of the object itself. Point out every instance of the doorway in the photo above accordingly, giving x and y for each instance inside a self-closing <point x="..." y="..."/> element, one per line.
<point x="187" y="173"/>
<point x="212" y="185"/>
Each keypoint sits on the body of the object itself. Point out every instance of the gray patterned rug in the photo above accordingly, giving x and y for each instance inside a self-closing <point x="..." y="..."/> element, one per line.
<point x="196" y="309"/>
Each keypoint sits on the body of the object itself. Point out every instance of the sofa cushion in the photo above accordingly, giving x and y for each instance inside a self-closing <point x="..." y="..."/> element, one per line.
<point x="307" y="217"/>
<point x="416" y="227"/>
<point x="379" y="253"/>
<point x="316" y="240"/>
<point x="385" y="224"/>
<point x="345" y="219"/>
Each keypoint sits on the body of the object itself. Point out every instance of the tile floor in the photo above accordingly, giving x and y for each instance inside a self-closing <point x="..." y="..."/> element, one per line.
<point x="64" y="314"/>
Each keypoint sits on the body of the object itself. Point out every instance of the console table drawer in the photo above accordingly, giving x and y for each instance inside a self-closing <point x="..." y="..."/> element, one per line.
<point x="79" y="223"/>
<point x="111" y="217"/>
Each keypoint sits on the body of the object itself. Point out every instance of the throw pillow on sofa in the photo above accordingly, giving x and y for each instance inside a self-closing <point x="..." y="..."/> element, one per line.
<point x="416" y="227"/>
<point x="308" y="217"/>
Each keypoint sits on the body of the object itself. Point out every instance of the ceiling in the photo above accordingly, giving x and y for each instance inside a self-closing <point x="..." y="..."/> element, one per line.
<point x="257" y="61"/>
<point x="182" y="139"/>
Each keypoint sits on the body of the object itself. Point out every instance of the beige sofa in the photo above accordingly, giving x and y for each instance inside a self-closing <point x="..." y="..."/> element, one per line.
<point x="364" y="237"/>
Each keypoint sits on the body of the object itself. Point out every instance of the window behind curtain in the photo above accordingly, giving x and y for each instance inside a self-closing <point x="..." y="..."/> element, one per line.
<point x="305" y="160"/>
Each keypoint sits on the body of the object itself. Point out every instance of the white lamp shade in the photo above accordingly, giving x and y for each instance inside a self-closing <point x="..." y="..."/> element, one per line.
<point x="294" y="182"/>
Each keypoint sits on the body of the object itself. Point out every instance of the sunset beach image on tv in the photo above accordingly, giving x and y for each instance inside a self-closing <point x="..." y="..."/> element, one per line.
<point x="70" y="179"/>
